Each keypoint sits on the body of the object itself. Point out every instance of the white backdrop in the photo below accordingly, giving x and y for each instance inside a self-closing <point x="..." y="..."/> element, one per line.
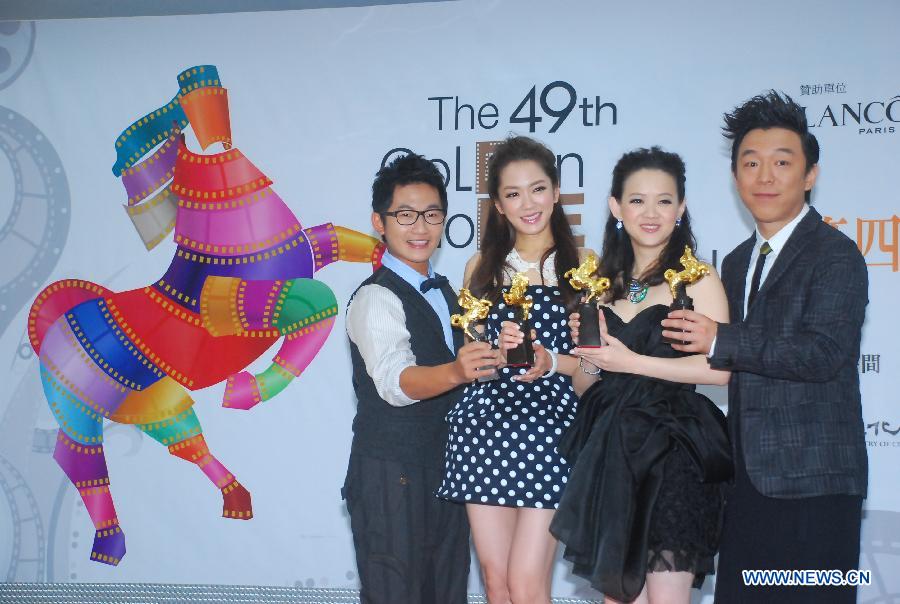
<point x="318" y="98"/>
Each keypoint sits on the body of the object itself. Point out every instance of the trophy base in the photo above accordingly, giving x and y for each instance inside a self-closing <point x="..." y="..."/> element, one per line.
<point x="491" y="377"/>
<point x="589" y="333"/>
<point x="683" y="302"/>
<point x="483" y="337"/>
<point x="517" y="357"/>
<point x="523" y="354"/>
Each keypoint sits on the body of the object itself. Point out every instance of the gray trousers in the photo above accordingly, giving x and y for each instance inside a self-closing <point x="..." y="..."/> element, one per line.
<point x="411" y="547"/>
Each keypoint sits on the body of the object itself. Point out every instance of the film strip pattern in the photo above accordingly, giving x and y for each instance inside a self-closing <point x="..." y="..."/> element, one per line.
<point x="16" y="46"/>
<point x="109" y="347"/>
<point x="85" y="465"/>
<point x="143" y="135"/>
<point x="230" y="306"/>
<point x="223" y="229"/>
<point x="130" y="356"/>
<point x="212" y="227"/>
<point x="27" y="543"/>
<point x="175" y="340"/>
<point x="54" y="301"/>
<point x="161" y="403"/>
<point x="35" y="215"/>
<point x="216" y="177"/>
<point x="155" y="218"/>
<point x="203" y="103"/>
<point x="152" y="173"/>
<point x="186" y="275"/>
<point x="75" y="417"/>
<point x="483" y="152"/>
<point x="63" y="355"/>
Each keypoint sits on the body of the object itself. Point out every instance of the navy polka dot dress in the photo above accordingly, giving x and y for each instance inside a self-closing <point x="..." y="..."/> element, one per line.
<point x="503" y="434"/>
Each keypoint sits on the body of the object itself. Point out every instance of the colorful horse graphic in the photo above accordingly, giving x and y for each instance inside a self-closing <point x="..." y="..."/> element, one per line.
<point x="240" y="280"/>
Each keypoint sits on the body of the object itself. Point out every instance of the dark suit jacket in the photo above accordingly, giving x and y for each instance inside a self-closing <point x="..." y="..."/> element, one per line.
<point x="794" y="389"/>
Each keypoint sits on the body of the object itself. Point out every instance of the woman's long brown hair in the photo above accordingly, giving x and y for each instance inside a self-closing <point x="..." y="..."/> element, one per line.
<point x="499" y="237"/>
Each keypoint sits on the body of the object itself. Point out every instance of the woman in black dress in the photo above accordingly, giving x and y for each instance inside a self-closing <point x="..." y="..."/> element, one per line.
<point x="641" y="513"/>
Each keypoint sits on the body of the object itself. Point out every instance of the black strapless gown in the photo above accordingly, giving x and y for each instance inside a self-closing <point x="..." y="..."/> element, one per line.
<point x="649" y="458"/>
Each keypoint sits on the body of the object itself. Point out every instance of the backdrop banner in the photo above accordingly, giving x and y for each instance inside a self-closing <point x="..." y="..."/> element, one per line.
<point x="185" y="211"/>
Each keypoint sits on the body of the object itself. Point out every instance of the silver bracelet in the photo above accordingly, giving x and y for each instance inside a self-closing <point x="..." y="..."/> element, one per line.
<point x="585" y="369"/>
<point x="554" y="363"/>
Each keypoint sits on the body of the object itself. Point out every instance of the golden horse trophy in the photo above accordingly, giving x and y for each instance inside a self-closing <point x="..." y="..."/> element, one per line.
<point x="523" y="354"/>
<point x="476" y="309"/>
<point x="581" y="279"/>
<point x="694" y="270"/>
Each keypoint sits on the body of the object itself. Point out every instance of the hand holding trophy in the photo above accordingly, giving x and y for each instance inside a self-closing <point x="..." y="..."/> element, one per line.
<point x="581" y="278"/>
<point x="523" y="354"/>
<point x="694" y="270"/>
<point x="476" y="310"/>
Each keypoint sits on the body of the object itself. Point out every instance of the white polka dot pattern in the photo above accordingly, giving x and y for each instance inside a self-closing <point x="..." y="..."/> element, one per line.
<point x="503" y="434"/>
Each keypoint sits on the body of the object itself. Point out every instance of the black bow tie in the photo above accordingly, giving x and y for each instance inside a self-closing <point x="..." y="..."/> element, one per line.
<point x="433" y="283"/>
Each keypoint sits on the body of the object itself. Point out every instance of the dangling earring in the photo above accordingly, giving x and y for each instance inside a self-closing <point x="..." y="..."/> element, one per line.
<point x="618" y="225"/>
<point x="677" y="222"/>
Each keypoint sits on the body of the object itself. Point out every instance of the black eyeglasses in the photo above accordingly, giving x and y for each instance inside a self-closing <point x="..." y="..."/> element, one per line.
<point x="409" y="217"/>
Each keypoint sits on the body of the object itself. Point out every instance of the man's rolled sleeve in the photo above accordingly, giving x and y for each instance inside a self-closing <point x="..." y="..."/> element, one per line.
<point x="376" y="324"/>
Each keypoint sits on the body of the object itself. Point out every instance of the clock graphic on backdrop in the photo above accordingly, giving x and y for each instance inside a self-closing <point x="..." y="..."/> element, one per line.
<point x="16" y="46"/>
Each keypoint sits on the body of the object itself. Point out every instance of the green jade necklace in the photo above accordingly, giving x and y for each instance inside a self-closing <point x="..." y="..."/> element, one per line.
<point x="637" y="291"/>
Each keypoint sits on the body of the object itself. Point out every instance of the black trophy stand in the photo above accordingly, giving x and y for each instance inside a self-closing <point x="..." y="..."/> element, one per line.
<point x="484" y="337"/>
<point x="589" y="330"/>
<point x="682" y="301"/>
<point x="523" y="354"/>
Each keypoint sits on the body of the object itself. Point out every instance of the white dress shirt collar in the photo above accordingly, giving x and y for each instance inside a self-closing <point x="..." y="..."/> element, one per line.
<point x="405" y="271"/>
<point x="434" y="296"/>
<point x="778" y="240"/>
<point x="777" y="243"/>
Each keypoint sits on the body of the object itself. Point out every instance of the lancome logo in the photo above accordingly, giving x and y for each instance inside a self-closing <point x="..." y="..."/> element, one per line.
<point x="867" y="117"/>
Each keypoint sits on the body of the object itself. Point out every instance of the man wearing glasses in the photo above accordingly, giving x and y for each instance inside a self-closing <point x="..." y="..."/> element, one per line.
<point x="408" y="372"/>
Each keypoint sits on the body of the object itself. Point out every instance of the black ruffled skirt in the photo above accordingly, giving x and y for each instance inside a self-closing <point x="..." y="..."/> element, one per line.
<point x="645" y="492"/>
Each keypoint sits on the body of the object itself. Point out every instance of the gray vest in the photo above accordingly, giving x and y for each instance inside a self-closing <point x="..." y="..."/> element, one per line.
<point x="415" y="433"/>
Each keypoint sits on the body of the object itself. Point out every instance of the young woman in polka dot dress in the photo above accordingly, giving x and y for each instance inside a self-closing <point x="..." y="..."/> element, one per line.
<point x="501" y="457"/>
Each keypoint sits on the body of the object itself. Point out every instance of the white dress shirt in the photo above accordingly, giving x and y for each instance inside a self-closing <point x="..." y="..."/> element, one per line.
<point x="376" y="324"/>
<point x="776" y="243"/>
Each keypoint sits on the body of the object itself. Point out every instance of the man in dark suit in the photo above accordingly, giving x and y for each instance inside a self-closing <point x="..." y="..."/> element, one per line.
<point x="797" y="289"/>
